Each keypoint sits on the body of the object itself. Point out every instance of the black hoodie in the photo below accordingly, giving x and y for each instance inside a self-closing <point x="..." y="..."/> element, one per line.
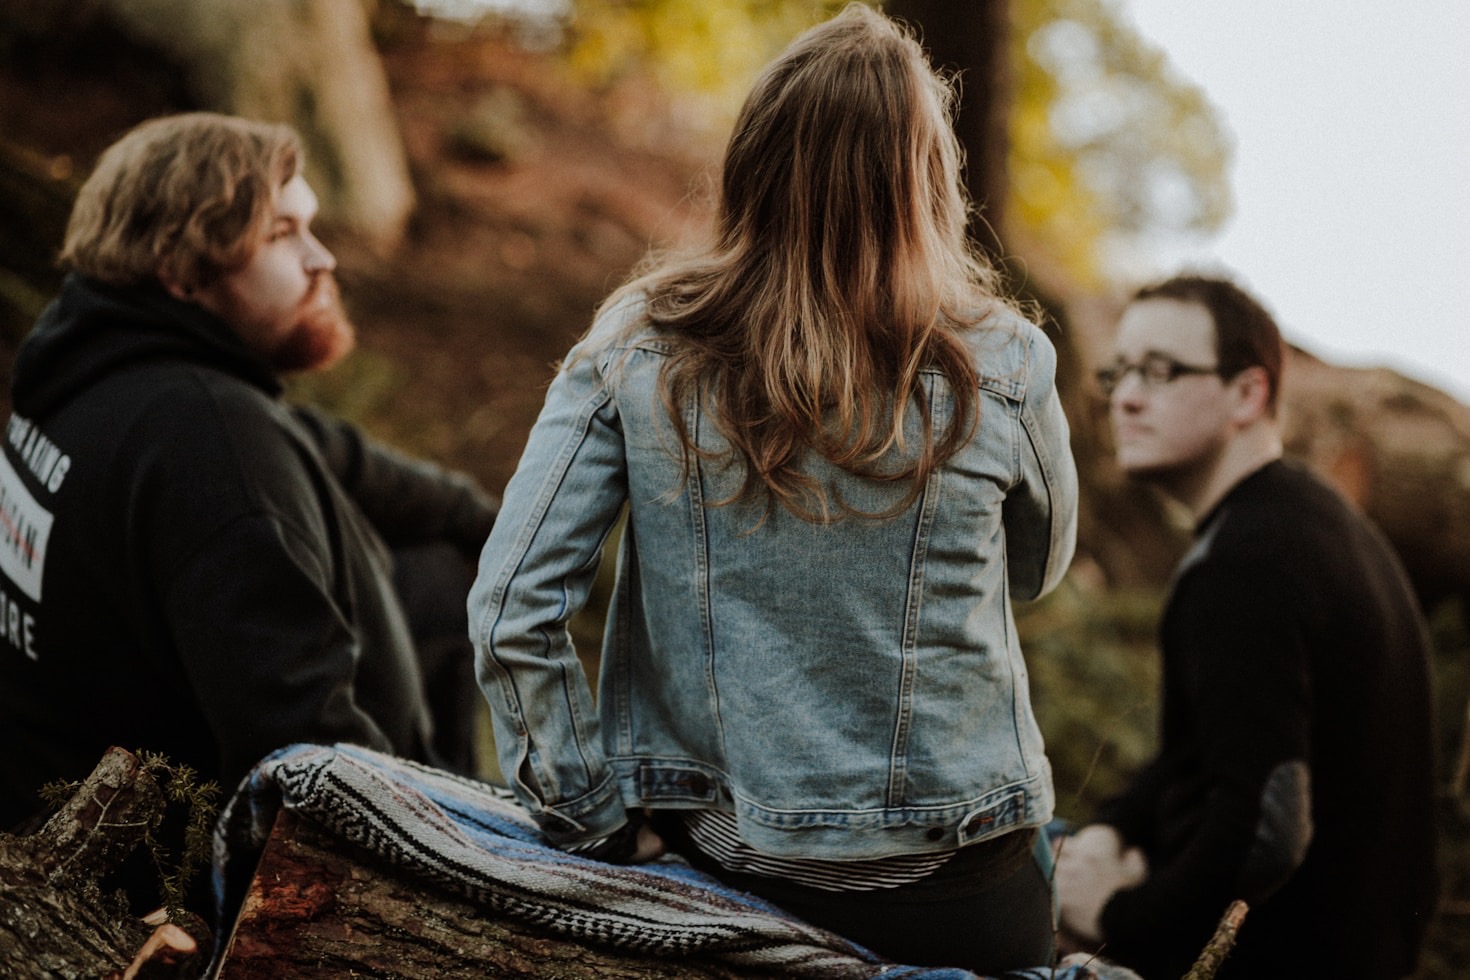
<point x="190" y="565"/>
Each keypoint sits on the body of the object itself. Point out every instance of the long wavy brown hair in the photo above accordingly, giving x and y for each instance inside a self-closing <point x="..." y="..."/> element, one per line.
<point x="839" y="271"/>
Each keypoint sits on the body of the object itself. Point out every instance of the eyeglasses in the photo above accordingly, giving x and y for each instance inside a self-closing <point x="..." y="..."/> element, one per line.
<point x="1155" y="371"/>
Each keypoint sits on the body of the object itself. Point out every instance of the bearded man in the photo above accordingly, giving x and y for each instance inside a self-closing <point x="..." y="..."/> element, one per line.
<point x="188" y="563"/>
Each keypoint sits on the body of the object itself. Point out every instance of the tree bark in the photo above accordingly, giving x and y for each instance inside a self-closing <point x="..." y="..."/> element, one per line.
<point x="316" y="910"/>
<point x="54" y="919"/>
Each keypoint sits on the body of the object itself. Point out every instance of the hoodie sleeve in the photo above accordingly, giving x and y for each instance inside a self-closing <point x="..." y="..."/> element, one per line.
<point x="271" y="657"/>
<point x="233" y="527"/>
<point x="408" y="501"/>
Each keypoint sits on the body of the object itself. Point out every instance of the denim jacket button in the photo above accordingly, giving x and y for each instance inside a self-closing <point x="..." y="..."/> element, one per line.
<point x="935" y="833"/>
<point x="699" y="784"/>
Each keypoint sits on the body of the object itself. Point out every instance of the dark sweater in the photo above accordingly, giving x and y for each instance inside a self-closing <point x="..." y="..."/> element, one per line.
<point x="188" y="564"/>
<point x="1296" y="762"/>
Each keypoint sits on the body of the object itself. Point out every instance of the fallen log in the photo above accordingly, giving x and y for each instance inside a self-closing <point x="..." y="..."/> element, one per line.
<point x="317" y="907"/>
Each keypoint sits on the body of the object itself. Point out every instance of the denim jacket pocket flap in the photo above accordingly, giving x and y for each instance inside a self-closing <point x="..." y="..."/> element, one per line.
<point x="665" y="783"/>
<point x="1011" y="389"/>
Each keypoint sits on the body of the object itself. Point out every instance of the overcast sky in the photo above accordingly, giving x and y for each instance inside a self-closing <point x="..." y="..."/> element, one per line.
<point x="1351" y="177"/>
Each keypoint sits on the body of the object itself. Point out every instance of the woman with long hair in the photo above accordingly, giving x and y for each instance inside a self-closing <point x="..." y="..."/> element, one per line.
<point x="841" y="454"/>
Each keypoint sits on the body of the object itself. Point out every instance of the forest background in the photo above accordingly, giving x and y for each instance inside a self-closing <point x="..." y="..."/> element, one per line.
<point x="490" y="169"/>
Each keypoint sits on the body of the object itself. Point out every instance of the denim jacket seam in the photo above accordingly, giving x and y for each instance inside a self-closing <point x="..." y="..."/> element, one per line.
<point x="918" y="559"/>
<point x="592" y="404"/>
<point x="776" y="817"/>
<point x="694" y="482"/>
<point x="617" y="687"/>
<point x="1047" y="467"/>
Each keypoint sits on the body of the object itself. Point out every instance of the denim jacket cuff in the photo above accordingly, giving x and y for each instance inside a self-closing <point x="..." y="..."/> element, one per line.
<point x="599" y="813"/>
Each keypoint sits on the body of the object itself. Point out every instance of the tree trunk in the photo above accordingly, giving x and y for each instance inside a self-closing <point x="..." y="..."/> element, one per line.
<point x="972" y="38"/>
<point x="310" y="63"/>
<point x="314" y="910"/>
<point x="34" y="203"/>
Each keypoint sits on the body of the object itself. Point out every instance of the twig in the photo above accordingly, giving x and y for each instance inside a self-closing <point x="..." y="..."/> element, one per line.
<point x="1220" y="944"/>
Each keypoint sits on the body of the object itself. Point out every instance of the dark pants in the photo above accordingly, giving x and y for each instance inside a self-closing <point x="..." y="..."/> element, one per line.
<point x="988" y="909"/>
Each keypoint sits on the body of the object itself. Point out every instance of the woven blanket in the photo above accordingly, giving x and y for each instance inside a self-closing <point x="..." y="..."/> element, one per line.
<point x="475" y="840"/>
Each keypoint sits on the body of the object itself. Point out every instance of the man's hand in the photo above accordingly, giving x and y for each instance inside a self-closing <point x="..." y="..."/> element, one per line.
<point x="650" y="845"/>
<point x="635" y="842"/>
<point x="1092" y="864"/>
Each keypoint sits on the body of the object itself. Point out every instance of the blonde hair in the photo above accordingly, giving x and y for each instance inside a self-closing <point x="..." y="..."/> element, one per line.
<point x="839" y="271"/>
<point x="180" y="198"/>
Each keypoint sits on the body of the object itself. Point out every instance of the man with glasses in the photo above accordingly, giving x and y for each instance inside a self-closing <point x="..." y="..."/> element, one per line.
<point x="1295" y="766"/>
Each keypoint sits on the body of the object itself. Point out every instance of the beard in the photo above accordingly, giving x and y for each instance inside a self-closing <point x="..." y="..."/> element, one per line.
<point x="322" y="334"/>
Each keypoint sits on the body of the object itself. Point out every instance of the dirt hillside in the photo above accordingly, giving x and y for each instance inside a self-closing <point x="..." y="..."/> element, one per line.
<point x="536" y="198"/>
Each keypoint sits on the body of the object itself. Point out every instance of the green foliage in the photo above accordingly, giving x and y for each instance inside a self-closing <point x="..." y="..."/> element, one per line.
<point x="361" y="388"/>
<point x="55" y="793"/>
<point x="366" y="389"/>
<point x="1108" y="143"/>
<point x="706" y="53"/>
<point x="1094" y="683"/>
<point x="1451" y="637"/>
<point x="181" y="787"/>
<point x="1448" y="952"/>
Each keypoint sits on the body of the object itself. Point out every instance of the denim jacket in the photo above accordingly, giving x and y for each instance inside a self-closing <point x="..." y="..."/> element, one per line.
<point x="849" y="690"/>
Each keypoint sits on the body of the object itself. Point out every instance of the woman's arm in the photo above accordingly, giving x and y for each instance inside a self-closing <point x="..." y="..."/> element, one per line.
<point x="1040" y="512"/>
<point x="535" y="574"/>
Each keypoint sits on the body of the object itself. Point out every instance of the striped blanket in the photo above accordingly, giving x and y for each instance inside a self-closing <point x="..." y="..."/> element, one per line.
<point x="475" y="840"/>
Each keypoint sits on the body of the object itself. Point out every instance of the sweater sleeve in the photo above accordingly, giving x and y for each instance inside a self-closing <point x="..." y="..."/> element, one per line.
<point x="409" y="501"/>
<point x="1240" y="816"/>
<point x="1132" y="812"/>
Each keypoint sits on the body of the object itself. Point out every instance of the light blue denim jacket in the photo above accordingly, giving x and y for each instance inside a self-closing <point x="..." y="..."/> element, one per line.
<point x="850" y="690"/>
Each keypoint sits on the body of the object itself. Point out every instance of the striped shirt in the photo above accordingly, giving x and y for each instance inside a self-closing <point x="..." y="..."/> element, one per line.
<point x="714" y="833"/>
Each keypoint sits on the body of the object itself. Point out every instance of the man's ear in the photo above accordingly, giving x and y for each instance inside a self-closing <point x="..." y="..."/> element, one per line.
<point x="1252" y="390"/>
<point x="177" y="289"/>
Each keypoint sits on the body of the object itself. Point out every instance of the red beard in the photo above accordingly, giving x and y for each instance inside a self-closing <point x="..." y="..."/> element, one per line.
<point x="322" y="335"/>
